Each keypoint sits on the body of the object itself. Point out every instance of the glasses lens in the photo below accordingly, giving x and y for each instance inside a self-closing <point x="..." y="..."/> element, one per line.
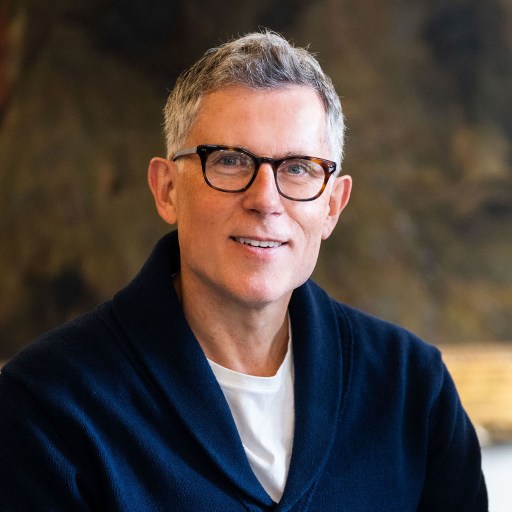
<point x="300" y="179"/>
<point x="228" y="169"/>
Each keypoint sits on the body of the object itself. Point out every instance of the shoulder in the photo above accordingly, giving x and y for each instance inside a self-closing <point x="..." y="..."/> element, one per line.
<point x="380" y="347"/>
<point x="398" y="370"/>
<point x="67" y="353"/>
<point x="374" y="351"/>
<point x="361" y="328"/>
<point x="369" y="330"/>
<point x="379" y="333"/>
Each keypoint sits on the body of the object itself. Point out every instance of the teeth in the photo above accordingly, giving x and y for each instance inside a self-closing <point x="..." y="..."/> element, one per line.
<point x="257" y="243"/>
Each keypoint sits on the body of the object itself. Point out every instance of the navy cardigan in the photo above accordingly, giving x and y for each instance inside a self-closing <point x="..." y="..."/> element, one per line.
<point x="120" y="411"/>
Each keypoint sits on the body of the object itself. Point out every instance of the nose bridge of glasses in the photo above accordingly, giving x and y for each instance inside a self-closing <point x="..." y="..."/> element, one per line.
<point x="258" y="176"/>
<point x="266" y="160"/>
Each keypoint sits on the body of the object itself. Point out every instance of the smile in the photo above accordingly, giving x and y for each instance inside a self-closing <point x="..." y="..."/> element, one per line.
<point x="257" y="243"/>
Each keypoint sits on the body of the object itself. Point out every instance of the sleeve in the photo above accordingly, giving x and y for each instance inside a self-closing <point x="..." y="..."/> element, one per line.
<point x="37" y="468"/>
<point x="454" y="479"/>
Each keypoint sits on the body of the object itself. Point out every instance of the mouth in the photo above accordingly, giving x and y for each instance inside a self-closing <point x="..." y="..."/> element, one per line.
<point x="264" y="244"/>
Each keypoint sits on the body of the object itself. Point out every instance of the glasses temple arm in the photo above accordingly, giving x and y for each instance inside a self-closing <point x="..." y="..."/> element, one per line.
<point x="184" y="152"/>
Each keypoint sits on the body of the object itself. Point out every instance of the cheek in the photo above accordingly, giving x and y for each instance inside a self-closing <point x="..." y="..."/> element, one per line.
<point x="304" y="265"/>
<point x="195" y="218"/>
<point x="314" y="217"/>
<point x="204" y="216"/>
<point x="191" y="206"/>
<point x="312" y="238"/>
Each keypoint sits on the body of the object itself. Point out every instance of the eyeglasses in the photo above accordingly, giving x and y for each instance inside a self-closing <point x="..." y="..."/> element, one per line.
<point x="232" y="169"/>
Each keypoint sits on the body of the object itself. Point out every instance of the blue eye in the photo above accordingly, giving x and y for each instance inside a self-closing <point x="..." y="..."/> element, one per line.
<point x="301" y="169"/>
<point x="296" y="169"/>
<point x="230" y="159"/>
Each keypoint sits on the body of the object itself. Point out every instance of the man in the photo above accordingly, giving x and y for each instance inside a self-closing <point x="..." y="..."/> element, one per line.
<point x="221" y="378"/>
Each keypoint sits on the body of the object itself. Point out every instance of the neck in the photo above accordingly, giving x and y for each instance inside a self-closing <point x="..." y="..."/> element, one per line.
<point x="250" y="340"/>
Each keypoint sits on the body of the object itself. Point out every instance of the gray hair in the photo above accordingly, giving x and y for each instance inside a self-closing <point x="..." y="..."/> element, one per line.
<point x="258" y="61"/>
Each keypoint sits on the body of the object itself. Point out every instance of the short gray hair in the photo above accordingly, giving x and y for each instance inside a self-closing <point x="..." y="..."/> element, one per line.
<point x="258" y="61"/>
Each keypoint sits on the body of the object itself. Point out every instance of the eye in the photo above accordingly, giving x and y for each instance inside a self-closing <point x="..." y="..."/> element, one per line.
<point x="300" y="169"/>
<point x="296" y="169"/>
<point x="230" y="159"/>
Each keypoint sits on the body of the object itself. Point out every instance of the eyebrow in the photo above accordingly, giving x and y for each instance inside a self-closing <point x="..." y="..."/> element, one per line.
<point x="278" y="157"/>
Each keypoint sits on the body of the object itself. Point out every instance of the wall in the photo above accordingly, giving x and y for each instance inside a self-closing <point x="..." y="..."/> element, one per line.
<point x="426" y="90"/>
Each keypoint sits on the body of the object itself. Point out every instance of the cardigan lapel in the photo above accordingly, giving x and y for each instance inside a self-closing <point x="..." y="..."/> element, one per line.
<point x="151" y="316"/>
<point x="317" y="351"/>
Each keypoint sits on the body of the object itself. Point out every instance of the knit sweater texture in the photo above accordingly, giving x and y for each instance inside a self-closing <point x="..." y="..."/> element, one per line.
<point x="119" y="410"/>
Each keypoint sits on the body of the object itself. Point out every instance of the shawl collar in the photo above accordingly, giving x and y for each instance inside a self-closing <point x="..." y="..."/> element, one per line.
<point x="317" y="352"/>
<point x="151" y="317"/>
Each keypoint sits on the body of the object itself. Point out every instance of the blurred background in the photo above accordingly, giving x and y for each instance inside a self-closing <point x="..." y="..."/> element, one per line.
<point x="427" y="91"/>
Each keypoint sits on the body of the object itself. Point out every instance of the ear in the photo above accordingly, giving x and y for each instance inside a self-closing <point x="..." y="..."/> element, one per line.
<point x="162" y="176"/>
<point x="340" y="194"/>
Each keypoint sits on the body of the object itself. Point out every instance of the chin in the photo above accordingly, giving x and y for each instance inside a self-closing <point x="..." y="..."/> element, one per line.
<point x="258" y="295"/>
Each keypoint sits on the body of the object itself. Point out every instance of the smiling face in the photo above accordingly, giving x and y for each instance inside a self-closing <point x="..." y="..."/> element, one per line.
<point x="251" y="248"/>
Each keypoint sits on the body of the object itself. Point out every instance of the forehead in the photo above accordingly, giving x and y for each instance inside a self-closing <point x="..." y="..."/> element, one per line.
<point x="268" y="122"/>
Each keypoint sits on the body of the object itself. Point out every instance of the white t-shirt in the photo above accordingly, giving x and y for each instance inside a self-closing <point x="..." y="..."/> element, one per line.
<point x="263" y="410"/>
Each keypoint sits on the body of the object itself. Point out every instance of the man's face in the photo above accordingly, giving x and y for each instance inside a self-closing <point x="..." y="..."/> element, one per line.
<point x="213" y="225"/>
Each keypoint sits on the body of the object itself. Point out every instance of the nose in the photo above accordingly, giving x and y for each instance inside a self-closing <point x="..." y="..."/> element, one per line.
<point x="263" y="195"/>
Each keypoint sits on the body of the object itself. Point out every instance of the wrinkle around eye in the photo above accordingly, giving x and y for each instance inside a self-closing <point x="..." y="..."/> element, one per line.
<point x="232" y="160"/>
<point x="301" y="168"/>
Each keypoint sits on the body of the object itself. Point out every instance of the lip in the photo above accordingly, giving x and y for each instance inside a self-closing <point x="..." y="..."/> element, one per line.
<point x="258" y="242"/>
